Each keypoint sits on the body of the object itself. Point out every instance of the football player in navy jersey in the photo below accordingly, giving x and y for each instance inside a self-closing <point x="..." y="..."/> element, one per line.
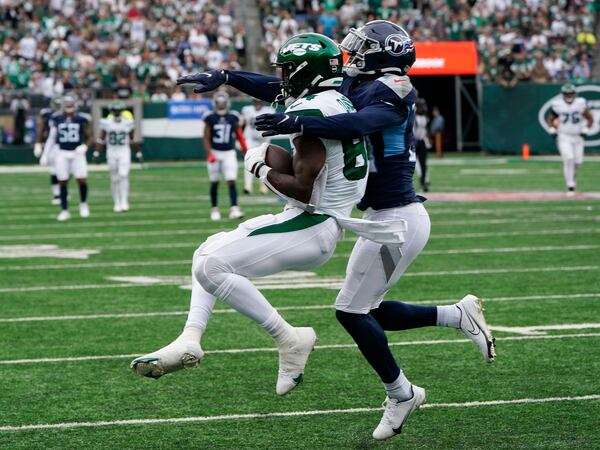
<point x="380" y="54"/>
<point x="48" y="159"/>
<point x="69" y="131"/>
<point x="221" y="129"/>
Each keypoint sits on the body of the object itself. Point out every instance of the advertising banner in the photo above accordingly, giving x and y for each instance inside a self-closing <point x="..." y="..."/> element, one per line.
<point x="445" y="58"/>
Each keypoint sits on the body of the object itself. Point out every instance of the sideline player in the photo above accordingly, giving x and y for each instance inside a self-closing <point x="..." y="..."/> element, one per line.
<point x="69" y="130"/>
<point x="380" y="54"/>
<point x="47" y="159"/>
<point x="422" y="143"/>
<point x="254" y="138"/>
<point x="329" y="178"/>
<point x="221" y="128"/>
<point x="566" y="122"/>
<point x="116" y="133"/>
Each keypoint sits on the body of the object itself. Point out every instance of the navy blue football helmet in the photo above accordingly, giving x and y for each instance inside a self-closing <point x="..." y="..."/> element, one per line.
<point x="378" y="47"/>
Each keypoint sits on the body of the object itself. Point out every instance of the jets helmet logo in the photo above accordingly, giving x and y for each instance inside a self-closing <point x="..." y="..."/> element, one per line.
<point x="396" y="44"/>
<point x="300" y="49"/>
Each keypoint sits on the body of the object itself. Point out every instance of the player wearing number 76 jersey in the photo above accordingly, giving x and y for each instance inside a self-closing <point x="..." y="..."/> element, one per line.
<point x="116" y="132"/>
<point x="569" y="120"/>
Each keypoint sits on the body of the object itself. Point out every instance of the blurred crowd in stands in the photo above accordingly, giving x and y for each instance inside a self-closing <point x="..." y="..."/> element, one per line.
<point x="138" y="48"/>
<point x="527" y="40"/>
<point x="134" y="48"/>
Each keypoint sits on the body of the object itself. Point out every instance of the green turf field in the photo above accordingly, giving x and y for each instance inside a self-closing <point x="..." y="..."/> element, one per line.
<point x="69" y="327"/>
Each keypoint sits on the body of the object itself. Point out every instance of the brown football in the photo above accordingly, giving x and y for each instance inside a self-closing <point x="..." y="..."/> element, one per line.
<point x="279" y="159"/>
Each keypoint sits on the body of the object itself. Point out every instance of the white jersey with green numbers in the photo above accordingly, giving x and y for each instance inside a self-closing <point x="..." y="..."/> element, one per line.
<point x="117" y="132"/>
<point x="343" y="179"/>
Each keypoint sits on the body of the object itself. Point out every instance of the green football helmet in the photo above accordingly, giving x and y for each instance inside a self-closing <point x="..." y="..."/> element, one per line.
<point x="569" y="92"/>
<point x="309" y="62"/>
<point x="116" y="109"/>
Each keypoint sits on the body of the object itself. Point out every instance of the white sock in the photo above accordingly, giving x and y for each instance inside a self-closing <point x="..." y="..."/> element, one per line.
<point x="279" y="329"/>
<point x="201" y="306"/>
<point x="114" y="187"/>
<point x="124" y="186"/>
<point x="569" y="172"/>
<point x="55" y="190"/>
<point x="448" y="316"/>
<point x="400" y="389"/>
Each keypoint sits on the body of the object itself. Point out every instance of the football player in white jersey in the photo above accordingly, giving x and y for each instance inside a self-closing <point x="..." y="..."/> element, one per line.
<point x="570" y="120"/>
<point x="116" y="134"/>
<point x="254" y="138"/>
<point x="329" y="178"/>
<point x="47" y="158"/>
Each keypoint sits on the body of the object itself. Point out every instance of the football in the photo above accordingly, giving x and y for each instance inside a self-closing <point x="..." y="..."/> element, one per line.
<point x="279" y="159"/>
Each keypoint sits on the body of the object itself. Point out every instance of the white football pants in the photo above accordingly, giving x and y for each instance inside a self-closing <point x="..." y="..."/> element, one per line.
<point x="571" y="152"/>
<point x="374" y="268"/>
<point x="69" y="162"/>
<point x="264" y="245"/>
<point x="226" y="165"/>
<point x="119" y="163"/>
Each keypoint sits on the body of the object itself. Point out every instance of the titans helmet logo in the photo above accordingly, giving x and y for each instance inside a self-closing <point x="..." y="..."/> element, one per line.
<point x="396" y="44"/>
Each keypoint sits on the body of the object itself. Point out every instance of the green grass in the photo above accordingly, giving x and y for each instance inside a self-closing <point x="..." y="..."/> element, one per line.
<point x="534" y="262"/>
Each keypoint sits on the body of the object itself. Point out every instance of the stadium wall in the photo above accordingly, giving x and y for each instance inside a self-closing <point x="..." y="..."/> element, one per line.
<point x="164" y="138"/>
<point x="516" y="116"/>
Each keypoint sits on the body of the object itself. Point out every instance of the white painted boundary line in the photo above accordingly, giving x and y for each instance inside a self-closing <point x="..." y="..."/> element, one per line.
<point x="125" y="422"/>
<point x="286" y="308"/>
<point x="199" y="220"/>
<point x="274" y="349"/>
<point x="562" y="248"/>
<point x="203" y="232"/>
<point x="326" y="283"/>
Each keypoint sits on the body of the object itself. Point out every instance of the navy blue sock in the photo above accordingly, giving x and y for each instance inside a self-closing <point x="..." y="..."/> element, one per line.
<point x="63" y="197"/>
<point x="372" y="342"/>
<point x="233" y="195"/>
<point x="213" y="194"/>
<point x="83" y="191"/>
<point x="395" y="316"/>
<point x="53" y="179"/>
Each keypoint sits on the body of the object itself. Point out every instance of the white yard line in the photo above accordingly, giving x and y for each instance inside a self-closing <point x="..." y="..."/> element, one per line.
<point x="351" y="238"/>
<point x="541" y="329"/>
<point x="198" y="220"/>
<point x="324" y="282"/>
<point x="274" y="349"/>
<point x="321" y="412"/>
<point x="287" y="308"/>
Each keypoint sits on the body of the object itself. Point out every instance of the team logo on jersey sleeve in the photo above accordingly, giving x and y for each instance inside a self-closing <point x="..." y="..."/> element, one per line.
<point x="396" y="44"/>
<point x="591" y="93"/>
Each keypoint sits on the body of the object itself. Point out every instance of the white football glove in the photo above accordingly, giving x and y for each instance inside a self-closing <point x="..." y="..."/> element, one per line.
<point x="81" y="149"/>
<point x="254" y="161"/>
<point x="37" y="149"/>
<point x="586" y="131"/>
<point x="44" y="159"/>
<point x="552" y="131"/>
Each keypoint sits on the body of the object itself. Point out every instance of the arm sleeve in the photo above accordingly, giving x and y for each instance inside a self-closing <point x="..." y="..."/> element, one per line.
<point x="259" y="86"/>
<point x="368" y="120"/>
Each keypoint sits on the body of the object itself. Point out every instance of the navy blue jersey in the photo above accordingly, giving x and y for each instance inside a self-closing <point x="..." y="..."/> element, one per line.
<point x="223" y="129"/>
<point x="69" y="130"/>
<point x="385" y="106"/>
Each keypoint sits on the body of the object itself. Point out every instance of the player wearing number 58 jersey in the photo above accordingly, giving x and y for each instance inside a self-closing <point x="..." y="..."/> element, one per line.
<point x="221" y="129"/>
<point x="569" y="120"/>
<point x="69" y="132"/>
<point x="117" y="134"/>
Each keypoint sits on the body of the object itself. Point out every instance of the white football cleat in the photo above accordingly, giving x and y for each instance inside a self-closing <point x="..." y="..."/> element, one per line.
<point x="473" y="326"/>
<point x="293" y="358"/>
<point x="179" y="354"/>
<point x="235" y="212"/>
<point x="64" y="215"/>
<point x="215" y="214"/>
<point x="263" y="189"/>
<point x="55" y="201"/>
<point x="396" y="413"/>
<point x="84" y="210"/>
<point x="125" y="206"/>
<point x="117" y="208"/>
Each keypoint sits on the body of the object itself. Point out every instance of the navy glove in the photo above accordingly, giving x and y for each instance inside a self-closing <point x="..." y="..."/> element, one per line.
<point x="278" y="123"/>
<point x="206" y="81"/>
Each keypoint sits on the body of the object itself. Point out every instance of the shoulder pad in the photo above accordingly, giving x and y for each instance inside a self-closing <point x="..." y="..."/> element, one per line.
<point x="400" y="85"/>
<point x="85" y="116"/>
<point x="234" y="113"/>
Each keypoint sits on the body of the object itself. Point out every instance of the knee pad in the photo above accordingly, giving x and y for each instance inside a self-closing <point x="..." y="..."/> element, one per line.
<point x="211" y="272"/>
